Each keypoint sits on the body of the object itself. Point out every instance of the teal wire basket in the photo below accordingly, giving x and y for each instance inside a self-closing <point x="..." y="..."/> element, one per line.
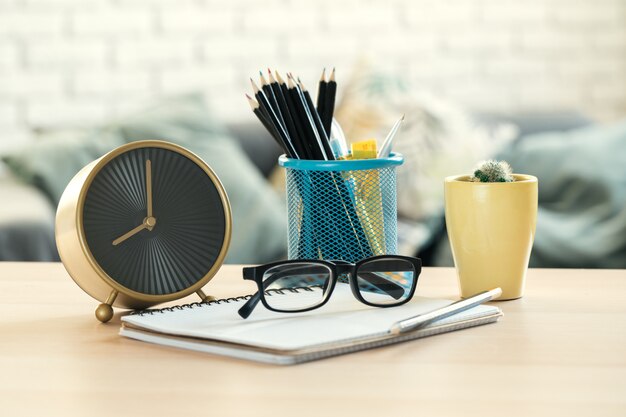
<point x="341" y="210"/>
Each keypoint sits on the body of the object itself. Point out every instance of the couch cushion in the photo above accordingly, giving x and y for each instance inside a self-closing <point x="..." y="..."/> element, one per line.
<point x="26" y="223"/>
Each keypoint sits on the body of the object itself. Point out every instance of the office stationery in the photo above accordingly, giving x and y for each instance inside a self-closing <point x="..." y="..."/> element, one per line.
<point x="337" y="134"/>
<point x="272" y="118"/>
<point x="423" y="319"/>
<point x="349" y="205"/>
<point x="341" y="326"/>
<point x="385" y="148"/>
<point x="329" y="105"/>
<point x="336" y="149"/>
<point x="271" y="97"/>
<point x="321" y="97"/>
<point x="368" y="197"/>
<point x="254" y="105"/>
<point x="308" y="125"/>
<point x="299" y="140"/>
<point x="146" y="223"/>
<point x="302" y="135"/>
<point x="287" y="118"/>
<point x="318" y="123"/>
<point x="365" y="149"/>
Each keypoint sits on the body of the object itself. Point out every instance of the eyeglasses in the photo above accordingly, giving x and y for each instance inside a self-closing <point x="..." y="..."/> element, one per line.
<point x="379" y="281"/>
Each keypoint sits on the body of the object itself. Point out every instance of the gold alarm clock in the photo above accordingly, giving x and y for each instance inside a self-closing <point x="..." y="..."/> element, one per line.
<point x="146" y="223"/>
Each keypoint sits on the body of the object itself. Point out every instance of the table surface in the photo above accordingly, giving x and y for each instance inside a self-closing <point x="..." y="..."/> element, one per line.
<point x="560" y="350"/>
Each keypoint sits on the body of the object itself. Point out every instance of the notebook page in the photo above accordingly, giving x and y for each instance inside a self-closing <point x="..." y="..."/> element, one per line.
<point x="343" y="317"/>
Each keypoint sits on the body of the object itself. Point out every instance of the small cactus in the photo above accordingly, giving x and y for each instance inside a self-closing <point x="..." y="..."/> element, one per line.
<point x="492" y="171"/>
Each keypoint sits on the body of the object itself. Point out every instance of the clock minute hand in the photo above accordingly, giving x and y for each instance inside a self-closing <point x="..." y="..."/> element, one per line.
<point x="149" y="187"/>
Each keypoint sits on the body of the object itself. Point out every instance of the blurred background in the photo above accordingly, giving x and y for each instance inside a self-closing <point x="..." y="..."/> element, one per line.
<point x="541" y="83"/>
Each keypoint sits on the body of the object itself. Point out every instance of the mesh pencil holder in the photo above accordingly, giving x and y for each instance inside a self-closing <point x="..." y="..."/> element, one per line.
<point x="341" y="210"/>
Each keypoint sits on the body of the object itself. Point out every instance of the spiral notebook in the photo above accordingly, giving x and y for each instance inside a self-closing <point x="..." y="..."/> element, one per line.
<point x="341" y="326"/>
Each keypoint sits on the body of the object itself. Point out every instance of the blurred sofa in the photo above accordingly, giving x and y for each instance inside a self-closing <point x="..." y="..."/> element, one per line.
<point x="27" y="212"/>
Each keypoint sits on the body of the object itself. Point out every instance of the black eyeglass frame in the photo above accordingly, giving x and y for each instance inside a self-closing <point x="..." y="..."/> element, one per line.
<point x="337" y="269"/>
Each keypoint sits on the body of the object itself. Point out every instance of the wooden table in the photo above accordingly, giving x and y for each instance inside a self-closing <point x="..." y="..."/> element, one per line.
<point x="560" y="350"/>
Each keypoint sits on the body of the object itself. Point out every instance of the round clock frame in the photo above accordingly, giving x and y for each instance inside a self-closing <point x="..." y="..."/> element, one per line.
<point x="82" y="265"/>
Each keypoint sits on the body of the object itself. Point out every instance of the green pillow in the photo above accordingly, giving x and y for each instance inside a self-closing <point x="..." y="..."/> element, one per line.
<point x="50" y="163"/>
<point x="259" y="217"/>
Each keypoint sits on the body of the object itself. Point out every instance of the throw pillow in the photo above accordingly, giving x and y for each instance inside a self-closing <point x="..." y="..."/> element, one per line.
<point x="437" y="138"/>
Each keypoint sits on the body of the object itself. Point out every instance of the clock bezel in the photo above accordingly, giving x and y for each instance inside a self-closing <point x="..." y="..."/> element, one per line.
<point x="101" y="163"/>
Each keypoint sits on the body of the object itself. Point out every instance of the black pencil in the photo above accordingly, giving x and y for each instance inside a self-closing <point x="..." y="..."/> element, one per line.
<point x="321" y="94"/>
<point x="294" y="135"/>
<point x="306" y="121"/>
<point x="256" y="109"/>
<point x="300" y="133"/>
<point x="271" y="98"/>
<point x="329" y="106"/>
<point x="273" y="118"/>
<point x="318" y="139"/>
<point x="318" y="123"/>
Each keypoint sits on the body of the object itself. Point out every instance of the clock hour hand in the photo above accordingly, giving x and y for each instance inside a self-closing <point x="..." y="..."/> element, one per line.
<point x="148" y="223"/>
<point x="129" y="234"/>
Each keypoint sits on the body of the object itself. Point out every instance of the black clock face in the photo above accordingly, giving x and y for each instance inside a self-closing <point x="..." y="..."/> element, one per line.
<point x="154" y="221"/>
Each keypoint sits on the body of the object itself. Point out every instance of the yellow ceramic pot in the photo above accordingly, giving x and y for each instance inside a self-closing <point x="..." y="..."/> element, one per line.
<point x="491" y="226"/>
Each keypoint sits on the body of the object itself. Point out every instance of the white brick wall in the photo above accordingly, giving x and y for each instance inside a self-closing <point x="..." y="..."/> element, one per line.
<point x="72" y="62"/>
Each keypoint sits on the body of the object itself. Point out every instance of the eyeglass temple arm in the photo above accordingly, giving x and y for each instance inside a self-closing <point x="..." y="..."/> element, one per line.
<point x="246" y="309"/>
<point x="250" y="305"/>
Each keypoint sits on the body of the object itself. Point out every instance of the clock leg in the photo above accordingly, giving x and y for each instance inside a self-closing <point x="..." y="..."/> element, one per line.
<point x="104" y="312"/>
<point x="205" y="297"/>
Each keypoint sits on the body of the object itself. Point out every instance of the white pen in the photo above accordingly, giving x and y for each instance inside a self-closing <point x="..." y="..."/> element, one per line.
<point x="385" y="149"/>
<point x="441" y="313"/>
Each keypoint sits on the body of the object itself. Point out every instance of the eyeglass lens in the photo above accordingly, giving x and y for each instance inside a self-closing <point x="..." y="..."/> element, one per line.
<point x="385" y="281"/>
<point x="296" y="286"/>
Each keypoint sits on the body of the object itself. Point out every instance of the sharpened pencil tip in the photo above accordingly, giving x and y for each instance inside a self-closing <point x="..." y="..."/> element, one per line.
<point x="263" y="80"/>
<point x="290" y="82"/>
<point x="254" y="86"/>
<point x="323" y="77"/>
<point x="402" y="117"/>
<point x="272" y="79"/>
<point x="252" y="102"/>
<point x="279" y="78"/>
<point x="332" y="75"/>
<point x="269" y="71"/>
<point x="301" y="85"/>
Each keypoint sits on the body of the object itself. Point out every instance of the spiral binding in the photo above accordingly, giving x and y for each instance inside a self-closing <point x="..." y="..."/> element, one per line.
<point x="189" y="306"/>
<point x="193" y="305"/>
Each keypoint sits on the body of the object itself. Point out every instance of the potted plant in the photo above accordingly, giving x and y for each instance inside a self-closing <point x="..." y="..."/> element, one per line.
<point x="491" y="218"/>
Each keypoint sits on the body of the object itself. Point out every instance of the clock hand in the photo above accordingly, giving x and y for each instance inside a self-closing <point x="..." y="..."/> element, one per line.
<point x="148" y="223"/>
<point x="129" y="234"/>
<point x="149" y="186"/>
